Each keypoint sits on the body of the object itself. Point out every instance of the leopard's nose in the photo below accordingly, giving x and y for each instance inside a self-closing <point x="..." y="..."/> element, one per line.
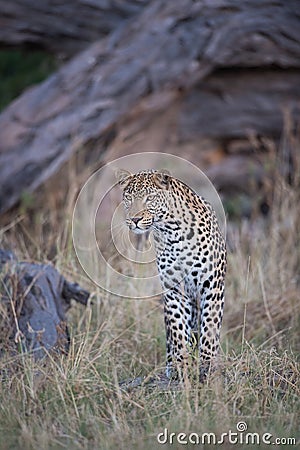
<point x="136" y="220"/>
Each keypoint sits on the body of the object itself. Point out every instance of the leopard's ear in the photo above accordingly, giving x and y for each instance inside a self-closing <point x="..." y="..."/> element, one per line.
<point x="123" y="177"/>
<point x="162" y="179"/>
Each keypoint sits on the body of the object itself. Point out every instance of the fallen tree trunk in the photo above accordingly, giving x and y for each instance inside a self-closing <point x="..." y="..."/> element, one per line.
<point x="34" y="299"/>
<point x="230" y="103"/>
<point x="64" y="27"/>
<point x="157" y="59"/>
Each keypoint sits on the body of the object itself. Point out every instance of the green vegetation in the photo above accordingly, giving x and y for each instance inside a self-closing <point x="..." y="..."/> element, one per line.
<point x="20" y="69"/>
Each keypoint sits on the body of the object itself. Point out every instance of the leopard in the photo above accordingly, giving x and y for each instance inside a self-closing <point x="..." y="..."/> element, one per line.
<point x="190" y="254"/>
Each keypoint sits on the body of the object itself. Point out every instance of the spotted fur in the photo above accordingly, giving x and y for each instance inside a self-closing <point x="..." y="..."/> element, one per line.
<point x="191" y="260"/>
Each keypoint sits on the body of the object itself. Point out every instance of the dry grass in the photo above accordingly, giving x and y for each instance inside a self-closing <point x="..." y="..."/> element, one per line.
<point x="76" y="401"/>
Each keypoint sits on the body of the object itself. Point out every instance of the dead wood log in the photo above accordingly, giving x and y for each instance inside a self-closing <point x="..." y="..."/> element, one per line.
<point x="34" y="299"/>
<point x="156" y="59"/>
<point x="63" y="27"/>
<point x="230" y="104"/>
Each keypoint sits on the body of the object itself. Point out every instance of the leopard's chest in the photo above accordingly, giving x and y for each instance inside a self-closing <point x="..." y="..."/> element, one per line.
<point x="183" y="243"/>
<point x="179" y="259"/>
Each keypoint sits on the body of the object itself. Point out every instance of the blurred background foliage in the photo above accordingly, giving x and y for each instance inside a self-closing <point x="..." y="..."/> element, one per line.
<point x="20" y="69"/>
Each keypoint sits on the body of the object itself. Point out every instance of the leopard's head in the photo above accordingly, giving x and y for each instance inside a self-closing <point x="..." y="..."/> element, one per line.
<point x="146" y="198"/>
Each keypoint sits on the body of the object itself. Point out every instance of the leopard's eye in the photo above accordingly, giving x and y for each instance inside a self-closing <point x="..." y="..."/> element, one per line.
<point x="150" y="197"/>
<point x="127" y="197"/>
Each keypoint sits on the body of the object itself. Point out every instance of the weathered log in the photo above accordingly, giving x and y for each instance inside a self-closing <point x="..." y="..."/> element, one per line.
<point x="63" y="27"/>
<point x="34" y="299"/>
<point x="230" y="104"/>
<point x="169" y="49"/>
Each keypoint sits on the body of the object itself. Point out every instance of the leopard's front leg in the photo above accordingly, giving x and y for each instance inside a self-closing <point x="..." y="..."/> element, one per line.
<point x="212" y="304"/>
<point x="179" y="322"/>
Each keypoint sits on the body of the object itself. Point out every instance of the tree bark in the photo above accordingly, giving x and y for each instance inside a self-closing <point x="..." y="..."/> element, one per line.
<point x="63" y="27"/>
<point x="169" y="52"/>
<point x="34" y="300"/>
<point x="231" y="103"/>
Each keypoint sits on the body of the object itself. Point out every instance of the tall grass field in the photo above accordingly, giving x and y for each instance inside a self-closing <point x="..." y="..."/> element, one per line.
<point x="85" y="400"/>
